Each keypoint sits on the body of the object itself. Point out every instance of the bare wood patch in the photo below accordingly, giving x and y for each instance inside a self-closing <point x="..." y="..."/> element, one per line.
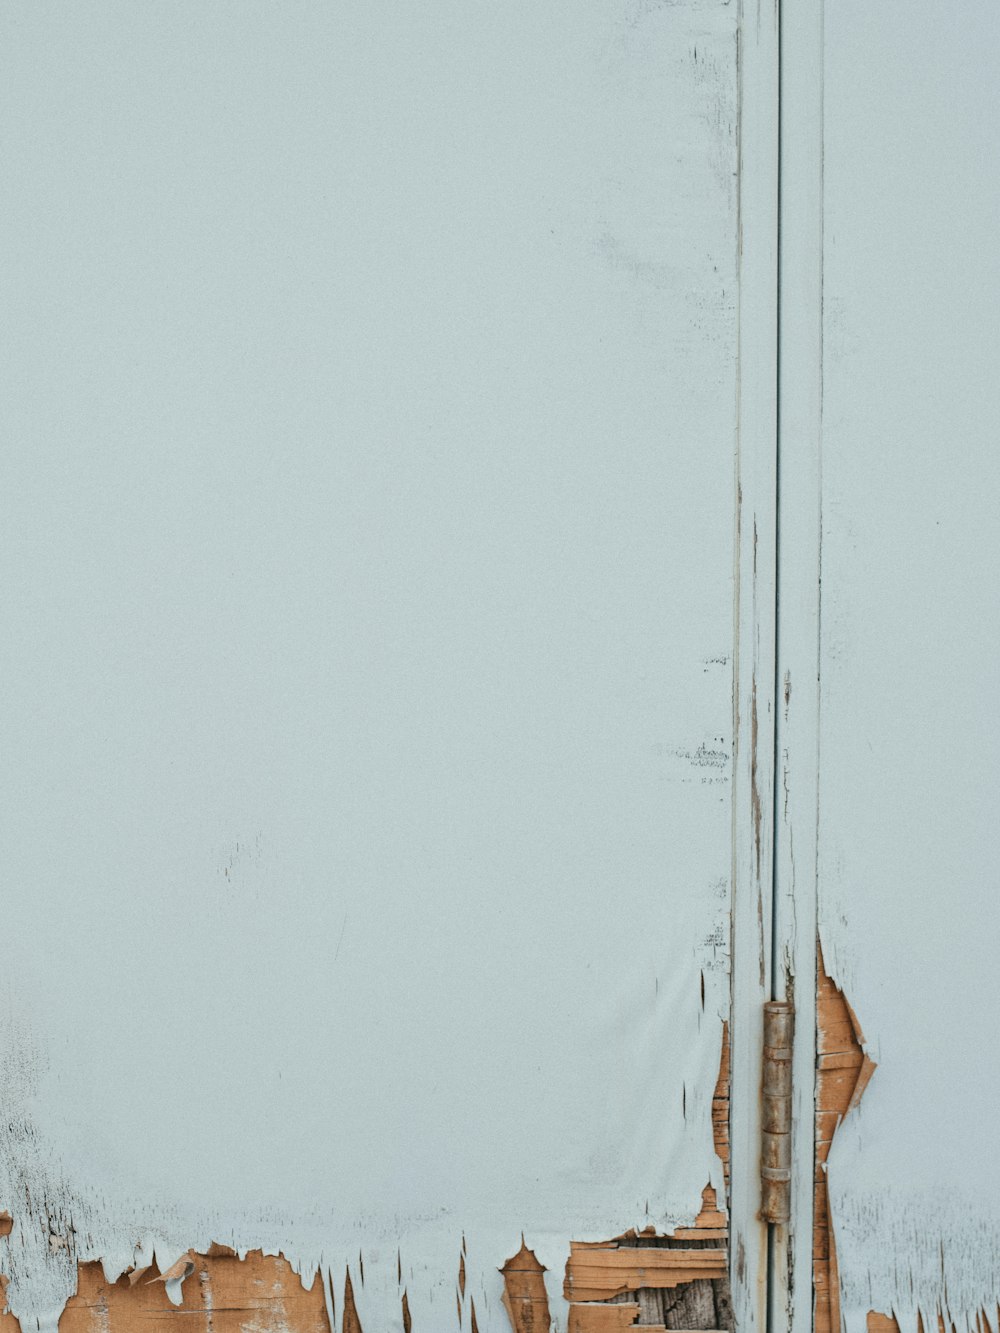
<point x="642" y="1280"/>
<point x="594" y="1274"/>
<point x="676" y="1282"/>
<point x="223" y="1294"/>
<point x="602" y="1318"/>
<point x="524" y="1295"/>
<point x="843" y="1070"/>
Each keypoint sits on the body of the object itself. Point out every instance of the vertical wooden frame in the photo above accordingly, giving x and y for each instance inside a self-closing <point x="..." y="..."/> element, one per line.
<point x="800" y="351"/>
<point x="754" y="675"/>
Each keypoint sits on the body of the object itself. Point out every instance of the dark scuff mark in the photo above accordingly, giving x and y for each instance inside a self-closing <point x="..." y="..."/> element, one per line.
<point x="754" y="789"/>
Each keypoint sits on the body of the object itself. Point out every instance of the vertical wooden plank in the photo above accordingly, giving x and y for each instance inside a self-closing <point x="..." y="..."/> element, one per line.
<point x="910" y="730"/>
<point x="800" y="338"/>
<point x="753" y="723"/>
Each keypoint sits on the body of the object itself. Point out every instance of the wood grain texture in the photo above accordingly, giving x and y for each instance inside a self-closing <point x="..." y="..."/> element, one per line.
<point x="602" y="1318"/>
<point x="223" y="1294"/>
<point x="596" y="1274"/>
<point x="524" y="1295"/>
<point x="677" y="1281"/>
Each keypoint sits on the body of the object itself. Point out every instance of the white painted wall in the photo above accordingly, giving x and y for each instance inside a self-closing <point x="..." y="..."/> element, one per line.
<point x="368" y="390"/>
<point x="910" y="739"/>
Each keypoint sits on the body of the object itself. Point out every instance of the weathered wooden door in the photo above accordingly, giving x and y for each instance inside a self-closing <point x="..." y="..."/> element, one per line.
<point x="499" y="561"/>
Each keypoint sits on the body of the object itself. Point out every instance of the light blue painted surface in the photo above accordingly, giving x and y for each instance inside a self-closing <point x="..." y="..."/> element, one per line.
<point x="368" y="394"/>
<point x="910" y="743"/>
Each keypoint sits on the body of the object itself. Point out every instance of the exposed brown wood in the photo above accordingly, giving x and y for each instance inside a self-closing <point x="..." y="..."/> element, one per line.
<point x="678" y="1282"/>
<point x="222" y="1295"/>
<point x="720" y="1109"/>
<point x="8" y="1324"/>
<point x="351" y="1324"/>
<point x="880" y="1323"/>
<point x="884" y="1323"/>
<point x="599" y="1274"/>
<point x="524" y="1294"/>
<point x="653" y="1282"/>
<point x="602" y="1318"/>
<point x="843" y="1069"/>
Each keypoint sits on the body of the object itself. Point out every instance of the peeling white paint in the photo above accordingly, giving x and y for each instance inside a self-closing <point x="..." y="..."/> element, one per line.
<point x="366" y="618"/>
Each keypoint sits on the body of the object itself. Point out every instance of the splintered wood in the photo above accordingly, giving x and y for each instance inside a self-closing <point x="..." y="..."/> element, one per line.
<point x="678" y="1281"/>
<point x="654" y="1282"/>
<point x="843" y="1070"/>
<point x="598" y="1272"/>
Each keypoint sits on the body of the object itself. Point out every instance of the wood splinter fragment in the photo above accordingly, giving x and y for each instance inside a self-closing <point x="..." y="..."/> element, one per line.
<point x="599" y="1274"/>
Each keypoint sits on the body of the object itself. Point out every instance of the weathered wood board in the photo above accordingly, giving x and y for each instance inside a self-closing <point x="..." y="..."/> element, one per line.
<point x="910" y="730"/>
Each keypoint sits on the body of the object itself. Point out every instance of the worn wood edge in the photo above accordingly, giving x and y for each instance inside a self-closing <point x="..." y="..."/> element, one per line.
<point x="755" y="637"/>
<point x="645" y="1265"/>
<point x="843" y="1071"/>
<point x="222" y="1293"/>
<point x="798" y="596"/>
